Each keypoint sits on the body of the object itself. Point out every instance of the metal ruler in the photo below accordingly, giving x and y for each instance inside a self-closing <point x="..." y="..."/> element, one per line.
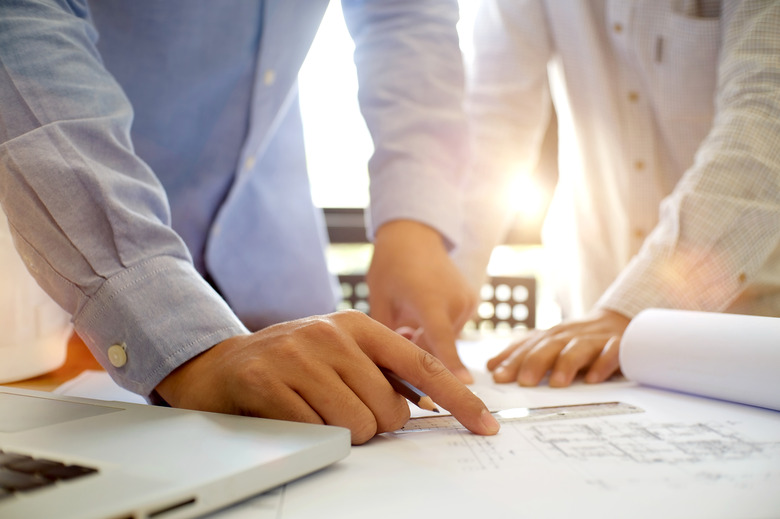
<point x="526" y="414"/>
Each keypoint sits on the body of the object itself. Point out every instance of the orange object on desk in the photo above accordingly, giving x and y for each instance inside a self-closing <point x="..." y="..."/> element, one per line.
<point x="78" y="359"/>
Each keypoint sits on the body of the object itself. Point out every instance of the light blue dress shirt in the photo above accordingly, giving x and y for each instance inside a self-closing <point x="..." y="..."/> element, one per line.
<point x="145" y="144"/>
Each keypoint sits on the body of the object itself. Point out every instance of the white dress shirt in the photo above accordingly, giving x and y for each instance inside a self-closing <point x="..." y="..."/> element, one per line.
<point x="669" y="117"/>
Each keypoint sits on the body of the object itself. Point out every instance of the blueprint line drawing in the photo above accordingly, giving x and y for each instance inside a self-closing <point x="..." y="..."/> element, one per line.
<point x="611" y="454"/>
<point x="645" y="443"/>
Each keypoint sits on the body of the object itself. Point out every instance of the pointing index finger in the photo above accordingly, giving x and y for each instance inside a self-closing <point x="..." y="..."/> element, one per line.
<point x="445" y="389"/>
<point x="429" y="374"/>
<point x="388" y="349"/>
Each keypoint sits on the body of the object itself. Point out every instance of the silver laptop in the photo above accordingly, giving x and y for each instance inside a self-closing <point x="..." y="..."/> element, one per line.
<point x="69" y="457"/>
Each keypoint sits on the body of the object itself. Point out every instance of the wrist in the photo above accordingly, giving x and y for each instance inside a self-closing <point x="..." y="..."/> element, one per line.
<point x="407" y="232"/>
<point x="176" y="386"/>
<point x="167" y="389"/>
<point x="618" y="319"/>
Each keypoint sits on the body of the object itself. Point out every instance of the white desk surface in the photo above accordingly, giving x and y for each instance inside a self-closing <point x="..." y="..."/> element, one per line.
<point x="684" y="456"/>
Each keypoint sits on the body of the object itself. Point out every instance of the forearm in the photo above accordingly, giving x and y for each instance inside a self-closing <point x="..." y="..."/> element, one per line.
<point x="89" y="218"/>
<point x="411" y="94"/>
<point x="722" y="222"/>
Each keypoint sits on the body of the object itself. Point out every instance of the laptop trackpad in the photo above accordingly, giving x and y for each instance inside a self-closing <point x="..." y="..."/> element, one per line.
<point x="22" y="412"/>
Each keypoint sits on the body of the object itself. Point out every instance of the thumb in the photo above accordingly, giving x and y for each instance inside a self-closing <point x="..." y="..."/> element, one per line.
<point x="438" y="337"/>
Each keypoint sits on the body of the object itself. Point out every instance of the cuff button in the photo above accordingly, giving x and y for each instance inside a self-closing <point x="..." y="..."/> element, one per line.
<point x="117" y="355"/>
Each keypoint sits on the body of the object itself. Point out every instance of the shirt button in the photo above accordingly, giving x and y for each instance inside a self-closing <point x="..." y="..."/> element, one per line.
<point x="617" y="28"/>
<point x="639" y="165"/>
<point x="269" y="77"/>
<point x="117" y="355"/>
<point x="249" y="163"/>
<point x="639" y="234"/>
<point x="633" y="96"/>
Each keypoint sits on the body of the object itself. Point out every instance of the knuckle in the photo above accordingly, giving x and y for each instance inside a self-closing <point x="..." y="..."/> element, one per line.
<point x="323" y="327"/>
<point x="262" y="384"/>
<point x="351" y="319"/>
<point x="575" y="344"/>
<point x="558" y="328"/>
<point x="363" y="430"/>
<point x="538" y="354"/>
<point x="431" y="365"/>
<point x="533" y="362"/>
<point x="394" y="419"/>
<point x="319" y="330"/>
<point x="567" y="362"/>
<point x="288" y="352"/>
<point x="350" y="313"/>
<point x="253" y="374"/>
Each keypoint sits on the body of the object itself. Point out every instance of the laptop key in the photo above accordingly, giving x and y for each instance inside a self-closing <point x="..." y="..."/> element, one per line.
<point x="19" y="472"/>
<point x="33" y="465"/>
<point x="64" y="472"/>
<point x="11" y="457"/>
<point x="50" y="469"/>
<point x="19" y="482"/>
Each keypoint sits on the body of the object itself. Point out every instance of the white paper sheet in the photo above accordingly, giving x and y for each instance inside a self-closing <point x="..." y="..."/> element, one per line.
<point x="684" y="457"/>
<point x="725" y="356"/>
<point x="99" y="385"/>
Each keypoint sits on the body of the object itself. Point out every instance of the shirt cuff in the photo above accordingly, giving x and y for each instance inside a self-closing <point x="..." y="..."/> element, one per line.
<point x="149" y="319"/>
<point x="426" y="200"/>
<point x="669" y="282"/>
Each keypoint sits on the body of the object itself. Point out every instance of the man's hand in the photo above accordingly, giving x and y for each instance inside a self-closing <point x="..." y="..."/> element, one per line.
<point x="564" y="350"/>
<point x="322" y="369"/>
<point x="413" y="283"/>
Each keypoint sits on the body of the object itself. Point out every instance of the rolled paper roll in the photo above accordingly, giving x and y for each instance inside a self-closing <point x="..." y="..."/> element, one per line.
<point x="725" y="356"/>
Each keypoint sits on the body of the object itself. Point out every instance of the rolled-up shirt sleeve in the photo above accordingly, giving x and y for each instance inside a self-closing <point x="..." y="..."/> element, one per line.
<point x="411" y="78"/>
<point x="720" y="228"/>
<point x="89" y="218"/>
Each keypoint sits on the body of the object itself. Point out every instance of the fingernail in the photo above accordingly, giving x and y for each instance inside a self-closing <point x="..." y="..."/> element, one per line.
<point x="490" y="422"/>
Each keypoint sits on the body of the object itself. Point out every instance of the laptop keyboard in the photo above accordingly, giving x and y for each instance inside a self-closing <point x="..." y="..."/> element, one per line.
<point x="22" y="473"/>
